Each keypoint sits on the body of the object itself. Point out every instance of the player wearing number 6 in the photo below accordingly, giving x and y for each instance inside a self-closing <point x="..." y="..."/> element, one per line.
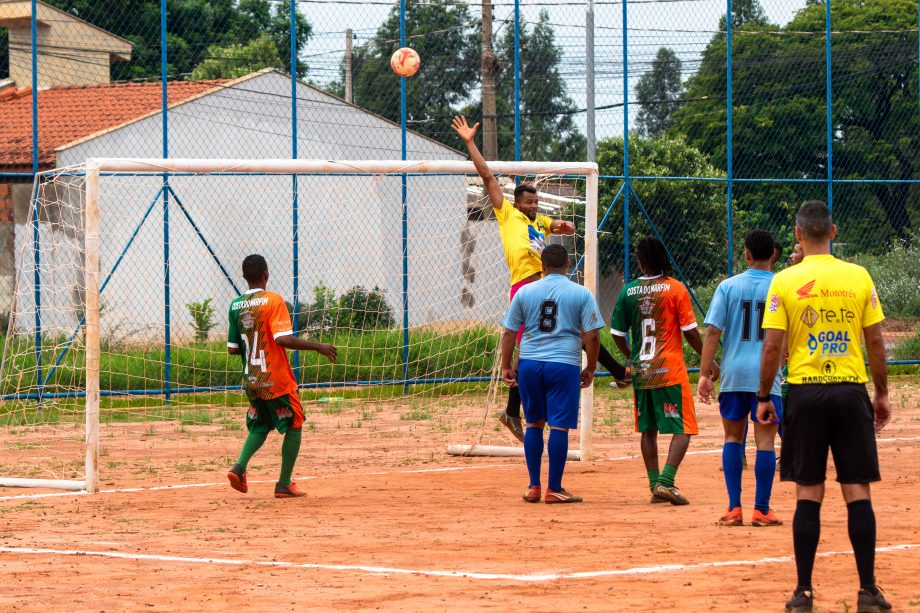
<point x="656" y="308"/>
<point x="735" y="315"/>
<point x="260" y="331"/>
<point x="559" y="317"/>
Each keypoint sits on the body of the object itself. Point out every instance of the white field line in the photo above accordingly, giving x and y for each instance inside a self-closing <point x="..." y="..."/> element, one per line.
<point x="385" y="570"/>
<point x="377" y="473"/>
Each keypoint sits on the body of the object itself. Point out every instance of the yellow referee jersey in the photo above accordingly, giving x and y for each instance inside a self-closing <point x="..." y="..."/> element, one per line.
<point x="823" y="304"/>
<point x="522" y="239"/>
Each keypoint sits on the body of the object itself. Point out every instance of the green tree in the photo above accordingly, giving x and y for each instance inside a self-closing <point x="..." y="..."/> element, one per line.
<point x="238" y="60"/>
<point x="447" y="41"/>
<point x="746" y="12"/>
<point x="548" y="130"/>
<point x="194" y="28"/>
<point x="658" y="92"/>
<point x="689" y="215"/>
<point x="779" y="115"/>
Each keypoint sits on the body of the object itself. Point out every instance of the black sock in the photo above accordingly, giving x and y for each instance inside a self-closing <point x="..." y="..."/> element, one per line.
<point x="613" y="367"/>
<point x="806" y="531"/>
<point x="514" y="403"/>
<point x="861" y="526"/>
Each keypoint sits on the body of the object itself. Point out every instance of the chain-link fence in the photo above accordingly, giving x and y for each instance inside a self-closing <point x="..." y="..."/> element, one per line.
<point x="703" y="126"/>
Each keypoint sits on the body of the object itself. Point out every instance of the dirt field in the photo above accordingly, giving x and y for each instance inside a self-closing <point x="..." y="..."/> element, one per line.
<point x="426" y="531"/>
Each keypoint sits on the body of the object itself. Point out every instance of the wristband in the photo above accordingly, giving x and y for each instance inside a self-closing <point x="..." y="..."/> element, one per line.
<point x="764" y="398"/>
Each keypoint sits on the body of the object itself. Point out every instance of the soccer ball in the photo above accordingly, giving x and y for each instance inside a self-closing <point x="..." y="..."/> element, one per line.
<point x="405" y="62"/>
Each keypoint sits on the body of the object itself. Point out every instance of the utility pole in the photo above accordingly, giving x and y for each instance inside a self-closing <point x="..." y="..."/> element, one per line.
<point x="349" y="95"/>
<point x="490" y="70"/>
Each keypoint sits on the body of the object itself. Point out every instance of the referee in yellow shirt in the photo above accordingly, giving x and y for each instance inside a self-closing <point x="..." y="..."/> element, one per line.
<point x="827" y="306"/>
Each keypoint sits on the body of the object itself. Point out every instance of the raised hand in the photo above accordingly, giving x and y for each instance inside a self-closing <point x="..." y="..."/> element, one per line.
<point x="463" y="129"/>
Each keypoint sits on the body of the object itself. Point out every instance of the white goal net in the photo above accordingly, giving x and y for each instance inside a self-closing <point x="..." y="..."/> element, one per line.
<point x="115" y="364"/>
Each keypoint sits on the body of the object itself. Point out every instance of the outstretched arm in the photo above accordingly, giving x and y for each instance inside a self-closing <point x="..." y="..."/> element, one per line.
<point x="289" y="341"/>
<point x="562" y="227"/>
<point x="468" y="135"/>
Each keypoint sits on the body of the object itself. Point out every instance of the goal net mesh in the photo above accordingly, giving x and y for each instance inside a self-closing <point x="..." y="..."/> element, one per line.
<point x="412" y="295"/>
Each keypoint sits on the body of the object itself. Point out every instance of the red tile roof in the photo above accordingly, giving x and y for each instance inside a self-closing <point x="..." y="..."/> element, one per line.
<point x="68" y="114"/>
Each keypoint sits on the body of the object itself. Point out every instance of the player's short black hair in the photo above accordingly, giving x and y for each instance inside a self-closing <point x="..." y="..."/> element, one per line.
<point x="814" y="220"/>
<point x="555" y="256"/>
<point x="522" y="188"/>
<point x="254" y="268"/>
<point x="652" y="255"/>
<point x="760" y="243"/>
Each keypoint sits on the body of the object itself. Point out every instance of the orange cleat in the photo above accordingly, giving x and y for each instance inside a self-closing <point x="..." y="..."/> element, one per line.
<point x="237" y="477"/>
<point x="532" y="494"/>
<point x="288" y="491"/>
<point x="561" y="496"/>
<point x="765" y="519"/>
<point x="732" y="518"/>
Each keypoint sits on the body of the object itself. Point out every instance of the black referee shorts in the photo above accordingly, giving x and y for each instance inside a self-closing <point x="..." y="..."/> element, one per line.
<point x="838" y="416"/>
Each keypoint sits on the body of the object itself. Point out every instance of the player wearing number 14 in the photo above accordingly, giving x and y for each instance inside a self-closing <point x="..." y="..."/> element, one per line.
<point x="260" y="331"/>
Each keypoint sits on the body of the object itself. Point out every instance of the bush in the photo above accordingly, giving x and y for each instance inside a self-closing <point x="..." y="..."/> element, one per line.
<point x="895" y="276"/>
<point x="908" y="349"/>
<point x="202" y="314"/>
<point x="357" y="309"/>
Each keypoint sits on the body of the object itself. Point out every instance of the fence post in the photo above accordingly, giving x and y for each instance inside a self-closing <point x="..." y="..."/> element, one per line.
<point x="729" y="135"/>
<point x="626" y="187"/>
<point x="36" y="256"/>
<point x="517" y="80"/>
<point x="295" y="204"/>
<point x="405" y="215"/>
<point x="829" y="94"/>
<point x="589" y="83"/>
<point x="167" y="333"/>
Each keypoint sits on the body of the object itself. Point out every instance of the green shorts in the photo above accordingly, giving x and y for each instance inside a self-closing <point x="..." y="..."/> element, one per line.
<point x="281" y="413"/>
<point x="668" y="410"/>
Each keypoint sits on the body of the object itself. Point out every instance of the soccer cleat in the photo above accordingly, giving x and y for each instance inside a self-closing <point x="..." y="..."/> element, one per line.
<point x="237" y="477"/>
<point x="802" y="601"/>
<point x="669" y="494"/>
<point x="765" y="519"/>
<point x="867" y="602"/>
<point x="513" y="424"/>
<point x="288" y="491"/>
<point x="733" y="518"/>
<point x="561" y="496"/>
<point x="532" y="494"/>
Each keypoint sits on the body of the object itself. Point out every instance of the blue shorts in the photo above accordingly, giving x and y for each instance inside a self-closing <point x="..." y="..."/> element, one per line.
<point x="735" y="406"/>
<point x="550" y="392"/>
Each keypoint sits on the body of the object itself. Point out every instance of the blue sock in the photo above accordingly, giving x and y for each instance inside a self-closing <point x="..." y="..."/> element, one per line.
<point x="558" y="450"/>
<point x="533" y="453"/>
<point x="764" y="471"/>
<point x="732" y="464"/>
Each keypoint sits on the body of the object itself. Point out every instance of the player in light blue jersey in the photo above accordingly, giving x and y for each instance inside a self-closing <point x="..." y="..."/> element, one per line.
<point x="735" y="315"/>
<point x="559" y="317"/>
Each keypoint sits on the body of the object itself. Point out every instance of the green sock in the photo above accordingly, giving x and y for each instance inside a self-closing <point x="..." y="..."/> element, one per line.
<point x="250" y="447"/>
<point x="667" y="475"/>
<point x="290" y="447"/>
<point x="653" y="476"/>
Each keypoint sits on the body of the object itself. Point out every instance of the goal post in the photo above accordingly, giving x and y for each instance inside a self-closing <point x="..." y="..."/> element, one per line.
<point x="130" y="308"/>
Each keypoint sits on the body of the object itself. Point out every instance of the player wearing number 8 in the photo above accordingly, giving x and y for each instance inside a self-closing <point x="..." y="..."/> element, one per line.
<point x="260" y="331"/>
<point x="558" y="316"/>
<point x="657" y="309"/>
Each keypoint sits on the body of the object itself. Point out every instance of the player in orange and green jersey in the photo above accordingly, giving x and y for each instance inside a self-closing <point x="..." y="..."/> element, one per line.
<point x="657" y="309"/>
<point x="260" y="331"/>
<point x="523" y="232"/>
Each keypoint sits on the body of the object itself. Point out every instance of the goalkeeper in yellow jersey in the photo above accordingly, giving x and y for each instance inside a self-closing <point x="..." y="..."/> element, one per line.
<point x="261" y="332"/>
<point x="523" y="232"/>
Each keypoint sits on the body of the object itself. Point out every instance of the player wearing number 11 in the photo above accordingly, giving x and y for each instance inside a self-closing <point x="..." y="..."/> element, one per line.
<point x="260" y="331"/>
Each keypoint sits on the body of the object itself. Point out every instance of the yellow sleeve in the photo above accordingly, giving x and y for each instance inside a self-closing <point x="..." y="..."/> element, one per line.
<point x="501" y="215"/>
<point x="776" y="316"/>
<point x="872" y="310"/>
<point x="547" y="223"/>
